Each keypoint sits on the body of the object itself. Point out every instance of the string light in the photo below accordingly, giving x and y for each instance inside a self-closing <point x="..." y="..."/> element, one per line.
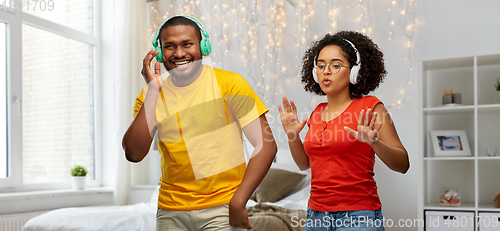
<point x="254" y="32"/>
<point x="391" y="33"/>
<point x="409" y="29"/>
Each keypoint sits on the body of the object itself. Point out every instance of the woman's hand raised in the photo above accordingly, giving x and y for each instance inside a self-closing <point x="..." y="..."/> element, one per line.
<point x="367" y="130"/>
<point x="290" y="120"/>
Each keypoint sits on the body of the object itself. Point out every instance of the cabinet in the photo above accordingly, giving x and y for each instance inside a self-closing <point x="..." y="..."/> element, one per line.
<point x="479" y="116"/>
<point x="449" y="221"/>
<point x="489" y="221"/>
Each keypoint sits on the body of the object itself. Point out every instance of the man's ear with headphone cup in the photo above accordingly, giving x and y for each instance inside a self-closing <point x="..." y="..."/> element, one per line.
<point x="353" y="77"/>
<point x="159" y="56"/>
<point x="205" y="47"/>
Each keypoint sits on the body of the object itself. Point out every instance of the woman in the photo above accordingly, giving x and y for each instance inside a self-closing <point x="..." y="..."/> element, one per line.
<point x="344" y="133"/>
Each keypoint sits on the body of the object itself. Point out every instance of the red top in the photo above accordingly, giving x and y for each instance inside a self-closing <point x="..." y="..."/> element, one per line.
<point x="341" y="166"/>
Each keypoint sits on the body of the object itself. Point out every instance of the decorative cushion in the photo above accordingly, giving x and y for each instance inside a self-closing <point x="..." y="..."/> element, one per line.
<point x="276" y="185"/>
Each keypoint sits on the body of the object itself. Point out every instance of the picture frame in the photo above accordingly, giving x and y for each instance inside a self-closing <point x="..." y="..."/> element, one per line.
<point x="450" y="143"/>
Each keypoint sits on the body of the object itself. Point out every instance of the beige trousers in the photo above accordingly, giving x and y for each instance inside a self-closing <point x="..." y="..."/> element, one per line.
<point x="209" y="219"/>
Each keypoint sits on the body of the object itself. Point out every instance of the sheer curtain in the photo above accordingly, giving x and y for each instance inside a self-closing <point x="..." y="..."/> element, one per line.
<point x="130" y="46"/>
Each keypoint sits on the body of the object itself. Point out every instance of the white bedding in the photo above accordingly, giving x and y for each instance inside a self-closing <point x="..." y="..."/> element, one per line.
<point x="142" y="216"/>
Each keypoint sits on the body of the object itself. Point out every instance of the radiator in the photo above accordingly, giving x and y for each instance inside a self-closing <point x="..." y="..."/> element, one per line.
<point x="15" y="222"/>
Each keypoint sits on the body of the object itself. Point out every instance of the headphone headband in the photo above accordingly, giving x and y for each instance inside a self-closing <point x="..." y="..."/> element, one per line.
<point x="203" y="31"/>
<point x="353" y="76"/>
<point x="358" y="59"/>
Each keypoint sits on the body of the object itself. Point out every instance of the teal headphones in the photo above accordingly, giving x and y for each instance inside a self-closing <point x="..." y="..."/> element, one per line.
<point x="205" y="46"/>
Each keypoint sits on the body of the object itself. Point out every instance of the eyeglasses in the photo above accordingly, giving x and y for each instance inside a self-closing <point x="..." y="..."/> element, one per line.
<point x="334" y="68"/>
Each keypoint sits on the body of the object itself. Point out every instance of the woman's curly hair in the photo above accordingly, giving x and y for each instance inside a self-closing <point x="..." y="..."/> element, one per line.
<point x="372" y="70"/>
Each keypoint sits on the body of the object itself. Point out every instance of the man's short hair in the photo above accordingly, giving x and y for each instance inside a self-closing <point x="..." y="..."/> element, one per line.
<point x="180" y="20"/>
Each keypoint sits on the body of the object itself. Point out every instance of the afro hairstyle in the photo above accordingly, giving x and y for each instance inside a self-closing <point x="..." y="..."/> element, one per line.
<point x="372" y="70"/>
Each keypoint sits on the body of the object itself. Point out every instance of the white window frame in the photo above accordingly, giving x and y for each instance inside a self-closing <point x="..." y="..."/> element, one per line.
<point x="14" y="21"/>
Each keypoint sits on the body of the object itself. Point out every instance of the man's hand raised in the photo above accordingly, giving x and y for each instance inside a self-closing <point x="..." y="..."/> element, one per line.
<point x="148" y="74"/>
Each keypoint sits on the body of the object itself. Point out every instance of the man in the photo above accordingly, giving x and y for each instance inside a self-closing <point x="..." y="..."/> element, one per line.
<point x="199" y="113"/>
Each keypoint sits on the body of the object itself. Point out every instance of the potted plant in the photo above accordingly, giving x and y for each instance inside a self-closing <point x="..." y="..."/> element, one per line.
<point x="497" y="87"/>
<point x="78" y="177"/>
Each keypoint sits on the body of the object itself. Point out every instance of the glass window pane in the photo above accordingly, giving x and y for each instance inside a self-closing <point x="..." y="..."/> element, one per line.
<point x="76" y="14"/>
<point x="3" y="102"/>
<point x="58" y="121"/>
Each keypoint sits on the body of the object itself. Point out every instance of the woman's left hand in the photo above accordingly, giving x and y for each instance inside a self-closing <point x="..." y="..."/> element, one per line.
<point x="367" y="130"/>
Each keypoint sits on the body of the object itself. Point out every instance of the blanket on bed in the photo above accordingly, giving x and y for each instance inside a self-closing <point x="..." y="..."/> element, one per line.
<point x="265" y="217"/>
<point x="141" y="217"/>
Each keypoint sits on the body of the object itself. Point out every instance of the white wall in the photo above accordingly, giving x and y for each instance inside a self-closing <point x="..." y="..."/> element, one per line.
<point x="458" y="28"/>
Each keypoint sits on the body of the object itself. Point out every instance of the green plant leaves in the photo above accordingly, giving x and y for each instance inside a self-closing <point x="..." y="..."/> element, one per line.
<point x="78" y="170"/>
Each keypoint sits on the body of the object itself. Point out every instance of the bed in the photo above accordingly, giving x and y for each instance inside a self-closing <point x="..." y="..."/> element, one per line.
<point x="279" y="200"/>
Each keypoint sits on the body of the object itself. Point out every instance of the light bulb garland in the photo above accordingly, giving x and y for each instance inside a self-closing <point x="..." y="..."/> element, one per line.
<point x="409" y="29"/>
<point x="254" y="33"/>
<point x="365" y="21"/>
<point x="333" y="15"/>
<point x="391" y="24"/>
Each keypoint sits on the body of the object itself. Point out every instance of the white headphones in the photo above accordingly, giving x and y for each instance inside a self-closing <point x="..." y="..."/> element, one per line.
<point x="315" y="76"/>
<point x="353" y="77"/>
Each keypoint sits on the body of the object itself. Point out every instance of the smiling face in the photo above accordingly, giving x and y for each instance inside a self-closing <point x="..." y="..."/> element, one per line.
<point x="181" y="53"/>
<point x="329" y="82"/>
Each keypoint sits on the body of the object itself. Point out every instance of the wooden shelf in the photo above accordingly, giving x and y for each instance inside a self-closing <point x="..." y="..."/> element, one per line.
<point x="448" y="158"/>
<point x="448" y="110"/>
<point x="488" y="208"/>
<point x="489" y="108"/>
<point x="461" y="109"/>
<point x="462" y="207"/>
<point x="448" y="63"/>
<point x="476" y="175"/>
<point x="488" y="157"/>
<point x="462" y="158"/>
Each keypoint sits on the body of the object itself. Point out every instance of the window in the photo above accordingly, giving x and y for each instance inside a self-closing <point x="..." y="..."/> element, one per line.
<point x="73" y="14"/>
<point x="57" y="106"/>
<point x="48" y="70"/>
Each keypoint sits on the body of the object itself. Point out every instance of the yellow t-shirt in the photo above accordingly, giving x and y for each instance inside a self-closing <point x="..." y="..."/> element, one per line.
<point x="199" y="131"/>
